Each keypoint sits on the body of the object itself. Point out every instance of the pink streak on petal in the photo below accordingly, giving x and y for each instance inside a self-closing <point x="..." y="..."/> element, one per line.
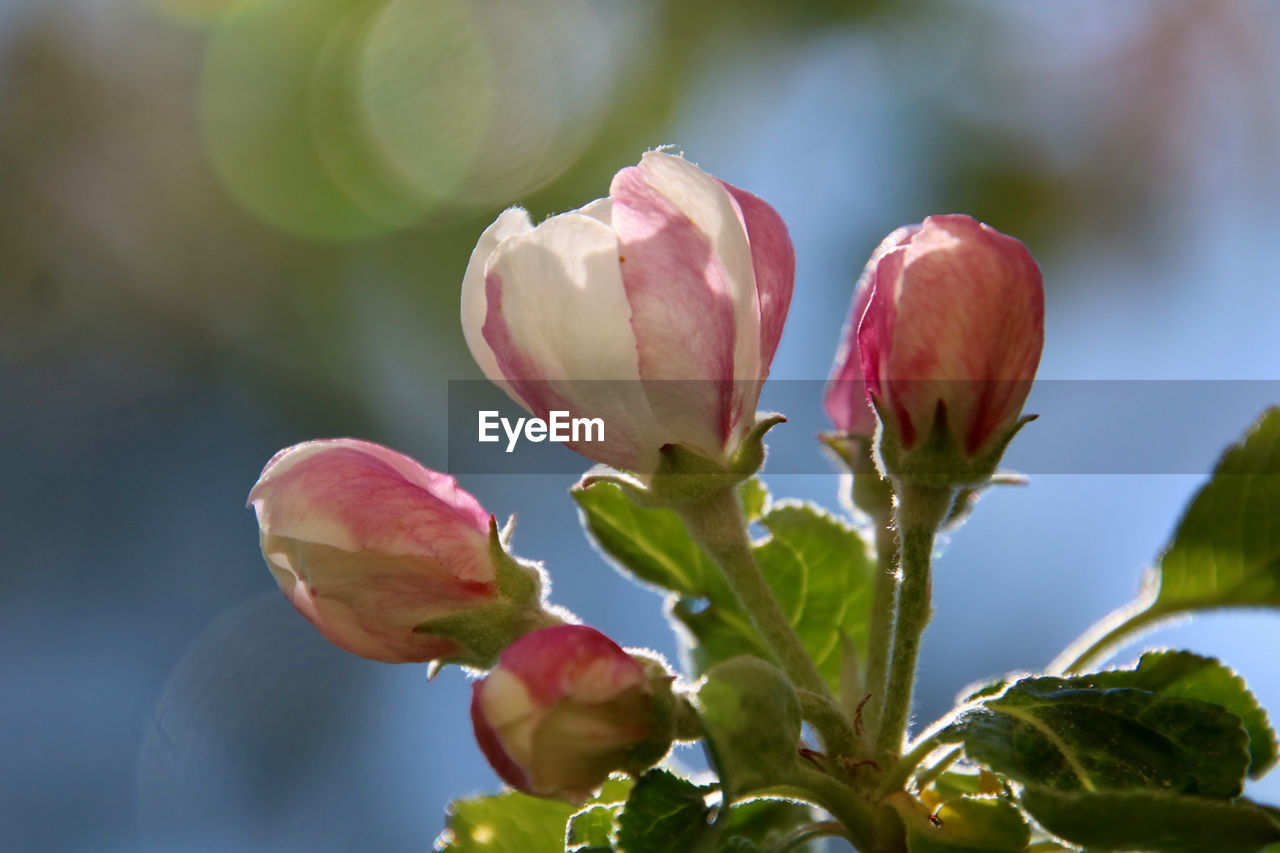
<point x="681" y="310"/>
<point x="845" y="401"/>
<point x="774" y="260"/>
<point x="553" y="662"/>
<point x="344" y="492"/>
<point x="875" y="331"/>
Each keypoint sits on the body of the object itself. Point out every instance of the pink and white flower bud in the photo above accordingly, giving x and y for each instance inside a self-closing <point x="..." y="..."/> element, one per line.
<point x="565" y="707"/>
<point x="845" y="401"/>
<point x="367" y="544"/>
<point x="955" y="319"/>
<point x="657" y="309"/>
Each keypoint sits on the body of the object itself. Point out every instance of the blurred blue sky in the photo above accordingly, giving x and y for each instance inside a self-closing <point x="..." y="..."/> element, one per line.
<point x="157" y="693"/>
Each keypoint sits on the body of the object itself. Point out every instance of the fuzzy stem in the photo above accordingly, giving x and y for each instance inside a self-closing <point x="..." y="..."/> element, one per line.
<point x="929" y="776"/>
<point x="883" y="608"/>
<point x="844" y="804"/>
<point x="900" y="772"/>
<point x="825" y="716"/>
<point x="717" y="524"/>
<point x="921" y="509"/>
<point x="805" y="833"/>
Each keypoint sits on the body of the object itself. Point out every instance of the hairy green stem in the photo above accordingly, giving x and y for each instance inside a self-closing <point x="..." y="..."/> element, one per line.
<point x="896" y="778"/>
<point x="883" y="607"/>
<point x="921" y="509"/>
<point x="845" y="805"/>
<point x="717" y="524"/>
<point x="799" y="836"/>
<point x="825" y="716"/>
<point x="930" y="775"/>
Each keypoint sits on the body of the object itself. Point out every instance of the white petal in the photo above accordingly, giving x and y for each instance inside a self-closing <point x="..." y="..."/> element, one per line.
<point x="568" y="320"/>
<point x="601" y="209"/>
<point x="512" y="221"/>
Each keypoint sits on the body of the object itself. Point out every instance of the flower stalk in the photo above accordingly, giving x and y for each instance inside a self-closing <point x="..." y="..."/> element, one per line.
<point x="716" y="523"/>
<point x="922" y="507"/>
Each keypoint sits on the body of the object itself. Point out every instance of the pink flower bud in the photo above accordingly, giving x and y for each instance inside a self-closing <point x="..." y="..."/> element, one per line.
<point x="564" y="708"/>
<point x="367" y="545"/>
<point x="846" y="397"/>
<point x="955" y="319"/>
<point x="675" y="276"/>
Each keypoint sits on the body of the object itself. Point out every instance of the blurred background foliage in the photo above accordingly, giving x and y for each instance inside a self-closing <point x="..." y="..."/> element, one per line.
<point x="231" y="226"/>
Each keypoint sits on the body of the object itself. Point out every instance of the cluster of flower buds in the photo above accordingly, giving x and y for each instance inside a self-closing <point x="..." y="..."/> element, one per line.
<point x="657" y="309"/>
<point x="394" y="562"/>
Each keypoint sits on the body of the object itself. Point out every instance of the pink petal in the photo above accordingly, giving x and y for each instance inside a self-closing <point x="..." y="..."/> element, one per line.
<point x="773" y="259"/>
<point x="686" y="297"/>
<point x="573" y="661"/>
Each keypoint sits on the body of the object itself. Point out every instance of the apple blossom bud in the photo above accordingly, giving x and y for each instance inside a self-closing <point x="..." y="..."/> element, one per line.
<point x="565" y="707"/>
<point x="610" y="310"/>
<point x="389" y="560"/>
<point x="951" y="338"/>
<point x="846" y="401"/>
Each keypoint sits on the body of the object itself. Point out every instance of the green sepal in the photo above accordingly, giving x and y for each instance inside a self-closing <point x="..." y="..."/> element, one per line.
<point x="685" y="476"/>
<point x="939" y="458"/>
<point x="748" y="457"/>
<point x="520" y="583"/>
<point x="670" y="717"/>
<point x="481" y="633"/>
<point x="967" y="498"/>
<point x="871" y="492"/>
<point x="752" y="719"/>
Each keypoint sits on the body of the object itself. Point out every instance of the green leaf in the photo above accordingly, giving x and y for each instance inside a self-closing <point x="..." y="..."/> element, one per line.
<point x="964" y="824"/>
<point x="591" y="829"/>
<point x="1226" y="551"/>
<point x="1052" y="732"/>
<point x="513" y="822"/>
<point x="1151" y="821"/>
<point x="663" y="813"/>
<point x="763" y="823"/>
<point x="755" y="498"/>
<point x="817" y="566"/>
<point x="506" y="823"/>
<point x="651" y="544"/>
<point x="752" y="720"/>
<point x="824" y="577"/>
<point x="1192" y="676"/>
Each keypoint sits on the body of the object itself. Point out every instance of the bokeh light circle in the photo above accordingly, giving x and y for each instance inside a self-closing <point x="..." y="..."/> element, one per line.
<point x="341" y="119"/>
